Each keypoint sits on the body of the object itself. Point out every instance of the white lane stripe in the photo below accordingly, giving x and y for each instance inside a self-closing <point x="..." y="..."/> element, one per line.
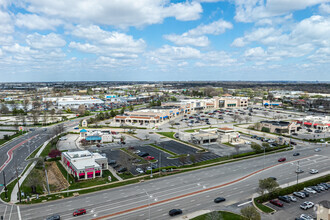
<point x="4" y="214"/>
<point x="19" y="213"/>
<point x="10" y="211"/>
<point x="244" y="203"/>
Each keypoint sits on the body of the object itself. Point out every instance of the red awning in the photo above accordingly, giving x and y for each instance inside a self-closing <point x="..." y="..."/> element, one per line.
<point x="307" y="123"/>
<point x="316" y="124"/>
<point x="90" y="173"/>
<point x="81" y="174"/>
<point x="98" y="171"/>
<point x="299" y="122"/>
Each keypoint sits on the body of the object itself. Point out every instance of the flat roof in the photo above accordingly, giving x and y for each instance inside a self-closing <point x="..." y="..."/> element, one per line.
<point x="83" y="159"/>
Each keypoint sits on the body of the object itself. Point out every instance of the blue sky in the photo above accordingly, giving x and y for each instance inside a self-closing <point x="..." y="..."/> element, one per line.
<point x="43" y="40"/>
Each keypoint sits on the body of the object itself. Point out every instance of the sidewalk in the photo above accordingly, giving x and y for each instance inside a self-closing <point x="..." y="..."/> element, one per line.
<point x="114" y="173"/>
<point x="14" y="198"/>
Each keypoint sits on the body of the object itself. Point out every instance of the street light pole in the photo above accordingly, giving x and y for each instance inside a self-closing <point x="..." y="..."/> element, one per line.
<point x="264" y="156"/>
<point x="148" y="202"/>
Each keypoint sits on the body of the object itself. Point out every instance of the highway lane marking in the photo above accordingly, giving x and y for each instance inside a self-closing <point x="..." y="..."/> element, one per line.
<point x="19" y="213"/>
<point x="195" y="192"/>
<point x="10" y="152"/>
<point x="239" y="205"/>
<point x="10" y="211"/>
<point x="4" y="214"/>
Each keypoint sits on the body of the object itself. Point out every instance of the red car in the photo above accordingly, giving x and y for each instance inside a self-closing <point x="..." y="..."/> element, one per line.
<point x="276" y="202"/>
<point x="282" y="159"/>
<point x="79" y="212"/>
<point x="149" y="158"/>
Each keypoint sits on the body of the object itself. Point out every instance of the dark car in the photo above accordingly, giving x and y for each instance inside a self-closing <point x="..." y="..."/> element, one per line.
<point x="282" y="159"/>
<point x="276" y="202"/>
<point x="174" y="212"/>
<point x="54" y="217"/>
<point x="293" y="143"/>
<point x="143" y="154"/>
<point x="254" y="136"/>
<point x="316" y="188"/>
<point x="273" y="178"/>
<point x="306" y="193"/>
<point x="284" y="199"/>
<point x="219" y="199"/>
<point x="296" y="154"/>
<point x="112" y="162"/>
<point x="123" y="169"/>
<point x="79" y="212"/>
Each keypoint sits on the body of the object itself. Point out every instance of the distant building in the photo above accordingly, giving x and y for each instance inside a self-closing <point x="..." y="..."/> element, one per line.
<point x="279" y="127"/>
<point x="228" y="101"/>
<point x="317" y="122"/>
<point x="270" y="103"/>
<point x="84" y="164"/>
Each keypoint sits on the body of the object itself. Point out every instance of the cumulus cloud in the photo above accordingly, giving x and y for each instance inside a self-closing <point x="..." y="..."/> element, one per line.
<point x="6" y="24"/>
<point x="39" y="41"/>
<point x="325" y="8"/>
<point x="122" y="13"/>
<point x="36" y="22"/>
<point x="107" y="43"/>
<point x="253" y="10"/>
<point x="196" y="36"/>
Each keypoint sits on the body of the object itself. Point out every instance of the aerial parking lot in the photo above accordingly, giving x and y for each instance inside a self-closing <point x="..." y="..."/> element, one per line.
<point x="293" y="210"/>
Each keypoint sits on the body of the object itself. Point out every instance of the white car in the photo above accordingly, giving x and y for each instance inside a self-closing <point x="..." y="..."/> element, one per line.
<point x="307" y="205"/>
<point x="310" y="190"/>
<point x="313" y="171"/>
<point x="317" y="150"/>
<point x="139" y="170"/>
<point x="306" y="217"/>
<point x="292" y="198"/>
<point x="138" y="151"/>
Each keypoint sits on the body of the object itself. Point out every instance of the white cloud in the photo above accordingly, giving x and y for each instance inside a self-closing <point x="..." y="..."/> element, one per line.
<point x="201" y="41"/>
<point x="107" y="43"/>
<point x="120" y="13"/>
<point x="324" y="8"/>
<point x="36" y="22"/>
<point x="6" y="24"/>
<point x="253" y="10"/>
<point x="196" y="36"/>
<point x="255" y="52"/>
<point x="51" y="40"/>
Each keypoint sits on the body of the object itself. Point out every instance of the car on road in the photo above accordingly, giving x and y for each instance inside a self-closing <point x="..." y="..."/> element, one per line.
<point x="282" y="159"/>
<point x="79" y="212"/>
<point x="276" y="202"/>
<point x="293" y="143"/>
<point x="299" y="195"/>
<point x="307" y="205"/>
<point x="54" y="217"/>
<point x="139" y="170"/>
<point x="284" y="199"/>
<point x="299" y="170"/>
<point x="310" y="190"/>
<point x="254" y="136"/>
<point x="305" y="217"/>
<point x="292" y="198"/>
<point x="317" y="150"/>
<point x="313" y="171"/>
<point x="149" y="158"/>
<point x="174" y="212"/>
<point x="296" y="154"/>
<point x="273" y="178"/>
<point x="219" y="199"/>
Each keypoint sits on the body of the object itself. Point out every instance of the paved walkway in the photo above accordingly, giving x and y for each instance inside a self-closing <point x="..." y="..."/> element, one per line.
<point x="14" y="198"/>
<point x="114" y="173"/>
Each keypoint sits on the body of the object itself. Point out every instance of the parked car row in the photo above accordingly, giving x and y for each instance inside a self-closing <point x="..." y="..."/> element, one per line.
<point x="302" y="195"/>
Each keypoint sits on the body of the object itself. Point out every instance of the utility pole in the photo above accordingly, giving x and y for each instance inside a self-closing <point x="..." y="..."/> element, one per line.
<point x="160" y="157"/>
<point x="19" y="188"/>
<point x="4" y="183"/>
<point x="298" y="169"/>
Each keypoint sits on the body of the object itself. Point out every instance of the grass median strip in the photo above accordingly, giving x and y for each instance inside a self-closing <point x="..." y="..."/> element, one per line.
<point x="163" y="149"/>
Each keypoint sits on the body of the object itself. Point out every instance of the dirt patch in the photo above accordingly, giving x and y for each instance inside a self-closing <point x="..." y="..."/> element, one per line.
<point x="55" y="177"/>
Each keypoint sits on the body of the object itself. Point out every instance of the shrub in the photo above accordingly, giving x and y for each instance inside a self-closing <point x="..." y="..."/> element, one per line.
<point x="264" y="129"/>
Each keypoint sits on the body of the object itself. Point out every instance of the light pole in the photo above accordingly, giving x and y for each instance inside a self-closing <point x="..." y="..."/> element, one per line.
<point x="151" y="170"/>
<point x="264" y="156"/>
<point x="297" y="171"/>
<point x="149" y="197"/>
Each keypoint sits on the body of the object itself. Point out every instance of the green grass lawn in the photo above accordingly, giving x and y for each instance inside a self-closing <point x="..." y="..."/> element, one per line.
<point x="167" y="134"/>
<point x="225" y="216"/>
<point x="263" y="208"/>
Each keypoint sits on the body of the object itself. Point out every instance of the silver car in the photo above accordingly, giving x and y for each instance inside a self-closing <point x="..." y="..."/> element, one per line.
<point x="292" y="198"/>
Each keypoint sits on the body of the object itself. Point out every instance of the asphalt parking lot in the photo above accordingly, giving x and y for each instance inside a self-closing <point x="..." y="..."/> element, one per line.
<point x="122" y="159"/>
<point x="177" y="147"/>
<point x="292" y="210"/>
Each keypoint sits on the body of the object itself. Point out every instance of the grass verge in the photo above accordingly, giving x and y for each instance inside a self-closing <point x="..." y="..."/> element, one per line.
<point x="225" y="216"/>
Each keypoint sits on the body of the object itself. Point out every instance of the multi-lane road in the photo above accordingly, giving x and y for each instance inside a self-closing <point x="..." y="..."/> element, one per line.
<point x="190" y="191"/>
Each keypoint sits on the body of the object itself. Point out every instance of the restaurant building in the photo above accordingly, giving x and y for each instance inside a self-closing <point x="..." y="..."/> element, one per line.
<point x="84" y="164"/>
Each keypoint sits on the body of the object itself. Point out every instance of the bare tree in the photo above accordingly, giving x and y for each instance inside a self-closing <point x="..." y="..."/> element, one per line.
<point x="183" y="159"/>
<point x="265" y="113"/>
<point x="52" y="114"/>
<point x="35" y="116"/>
<point x="235" y="117"/>
<point x="25" y="105"/>
<point x="4" y="109"/>
<point x="146" y="136"/>
<point x="81" y="109"/>
<point x="45" y="117"/>
<point x="250" y="213"/>
<point x="240" y="119"/>
<point x="237" y="147"/>
<point x="247" y="119"/>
